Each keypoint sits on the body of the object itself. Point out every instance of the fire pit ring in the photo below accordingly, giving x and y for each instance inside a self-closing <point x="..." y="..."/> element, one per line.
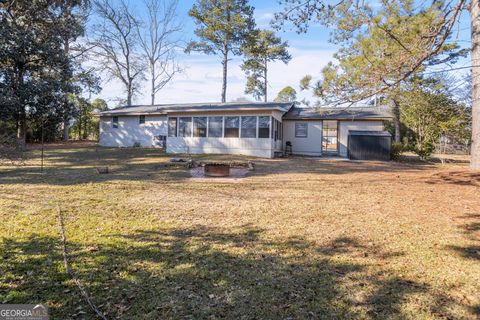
<point x="217" y="170"/>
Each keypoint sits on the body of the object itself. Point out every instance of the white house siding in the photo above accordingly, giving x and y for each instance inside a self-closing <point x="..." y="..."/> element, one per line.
<point x="130" y="132"/>
<point x="345" y="126"/>
<point x="311" y="145"/>
<point x="244" y="146"/>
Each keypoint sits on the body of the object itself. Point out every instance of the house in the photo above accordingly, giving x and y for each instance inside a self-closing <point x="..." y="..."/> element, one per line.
<point x="255" y="129"/>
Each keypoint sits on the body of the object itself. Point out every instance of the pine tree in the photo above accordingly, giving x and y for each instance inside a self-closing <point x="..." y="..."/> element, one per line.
<point x="287" y="94"/>
<point x="222" y="28"/>
<point x="261" y="48"/>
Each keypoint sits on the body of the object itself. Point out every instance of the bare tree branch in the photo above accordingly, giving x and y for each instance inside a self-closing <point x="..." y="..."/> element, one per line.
<point x="115" y="45"/>
<point x="159" y="42"/>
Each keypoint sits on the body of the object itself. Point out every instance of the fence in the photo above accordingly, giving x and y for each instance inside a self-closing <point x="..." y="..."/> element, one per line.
<point x="452" y="148"/>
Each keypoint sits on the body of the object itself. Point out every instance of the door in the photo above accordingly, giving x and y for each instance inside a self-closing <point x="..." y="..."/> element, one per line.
<point x="330" y="137"/>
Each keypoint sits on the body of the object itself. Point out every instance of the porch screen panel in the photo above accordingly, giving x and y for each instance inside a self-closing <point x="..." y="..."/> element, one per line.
<point x="232" y="127"/>
<point x="200" y="126"/>
<point x="249" y="127"/>
<point x="215" y="126"/>
<point x="185" y="127"/>
<point x="264" y="127"/>
<point x="172" y="127"/>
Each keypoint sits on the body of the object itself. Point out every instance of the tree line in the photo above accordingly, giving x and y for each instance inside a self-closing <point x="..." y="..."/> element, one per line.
<point x="51" y="60"/>
<point x="53" y="54"/>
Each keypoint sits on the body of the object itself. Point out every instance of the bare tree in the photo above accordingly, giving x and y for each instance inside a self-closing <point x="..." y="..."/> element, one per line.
<point x="159" y="42"/>
<point x="116" y="45"/>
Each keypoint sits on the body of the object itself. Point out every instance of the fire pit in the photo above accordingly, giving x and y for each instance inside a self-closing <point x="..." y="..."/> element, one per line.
<point x="217" y="170"/>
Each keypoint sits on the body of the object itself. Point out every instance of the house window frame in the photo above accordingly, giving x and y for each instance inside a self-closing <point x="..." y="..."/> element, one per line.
<point x="115" y="121"/>
<point x="298" y="124"/>
<point x="175" y="134"/>
<point x="276" y="129"/>
<point x="238" y="127"/>
<point x="191" y="127"/>
<point x="194" y="133"/>
<point x="142" y="119"/>
<point x="243" y="130"/>
<point x="222" y="123"/>
<point x="268" y="128"/>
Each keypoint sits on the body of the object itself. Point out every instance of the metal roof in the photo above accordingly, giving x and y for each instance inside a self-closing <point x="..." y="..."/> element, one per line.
<point x="369" y="133"/>
<point x="339" y="113"/>
<point x="196" y="107"/>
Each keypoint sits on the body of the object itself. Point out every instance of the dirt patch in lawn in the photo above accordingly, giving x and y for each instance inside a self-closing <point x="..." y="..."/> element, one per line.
<point x="198" y="174"/>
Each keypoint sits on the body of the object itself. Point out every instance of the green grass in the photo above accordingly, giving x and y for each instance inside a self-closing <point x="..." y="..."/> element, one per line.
<point x="296" y="239"/>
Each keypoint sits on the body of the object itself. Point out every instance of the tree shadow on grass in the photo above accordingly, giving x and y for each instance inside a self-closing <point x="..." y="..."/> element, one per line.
<point x="31" y="271"/>
<point x="471" y="230"/>
<point x="77" y="166"/>
<point x="461" y="178"/>
<point x="205" y="273"/>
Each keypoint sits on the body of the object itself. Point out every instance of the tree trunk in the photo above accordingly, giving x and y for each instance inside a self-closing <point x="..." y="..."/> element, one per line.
<point x="153" y="82"/>
<point x="65" y="130"/>
<point x="475" y="56"/>
<point x="224" y="65"/>
<point x="80" y="127"/>
<point x="396" y="120"/>
<point x="129" y="93"/>
<point x="66" y="120"/>
<point x="266" y="82"/>
<point x="21" y="115"/>
<point x="22" y="130"/>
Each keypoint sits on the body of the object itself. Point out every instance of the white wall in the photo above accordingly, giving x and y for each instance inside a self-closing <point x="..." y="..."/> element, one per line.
<point x="129" y="131"/>
<point x="244" y="146"/>
<point x="311" y="145"/>
<point x="345" y="126"/>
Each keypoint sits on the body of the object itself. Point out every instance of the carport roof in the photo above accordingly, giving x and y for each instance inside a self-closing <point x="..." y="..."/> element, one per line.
<point x="339" y="113"/>
<point x="196" y="107"/>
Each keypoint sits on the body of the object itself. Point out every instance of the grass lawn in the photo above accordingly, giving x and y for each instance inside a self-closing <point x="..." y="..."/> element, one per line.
<point x="297" y="239"/>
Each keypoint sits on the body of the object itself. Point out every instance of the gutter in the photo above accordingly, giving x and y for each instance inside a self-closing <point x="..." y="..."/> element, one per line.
<point x="167" y="111"/>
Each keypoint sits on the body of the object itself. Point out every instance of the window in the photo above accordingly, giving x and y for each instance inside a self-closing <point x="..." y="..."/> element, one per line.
<point x="141" y="119"/>
<point x="185" y="127"/>
<point x="301" y="130"/>
<point x="264" y="127"/>
<point x="249" y="127"/>
<point x="231" y="127"/>
<point x="276" y="127"/>
<point x="215" y="126"/>
<point x="199" y="126"/>
<point x="115" y="122"/>
<point x="172" y="127"/>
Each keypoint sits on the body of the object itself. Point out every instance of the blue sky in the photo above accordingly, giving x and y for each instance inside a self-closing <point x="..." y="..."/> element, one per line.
<point x="202" y="79"/>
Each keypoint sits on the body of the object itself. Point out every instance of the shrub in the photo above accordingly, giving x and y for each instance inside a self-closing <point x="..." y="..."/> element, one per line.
<point x="424" y="150"/>
<point x="396" y="150"/>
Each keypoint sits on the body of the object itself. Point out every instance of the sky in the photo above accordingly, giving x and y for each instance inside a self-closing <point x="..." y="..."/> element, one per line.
<point x="201" y="80"/>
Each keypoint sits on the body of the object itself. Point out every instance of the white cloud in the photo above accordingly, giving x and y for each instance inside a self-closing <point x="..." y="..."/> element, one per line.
<point x="263" y="18"/>
<point x="202" y="79"/>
